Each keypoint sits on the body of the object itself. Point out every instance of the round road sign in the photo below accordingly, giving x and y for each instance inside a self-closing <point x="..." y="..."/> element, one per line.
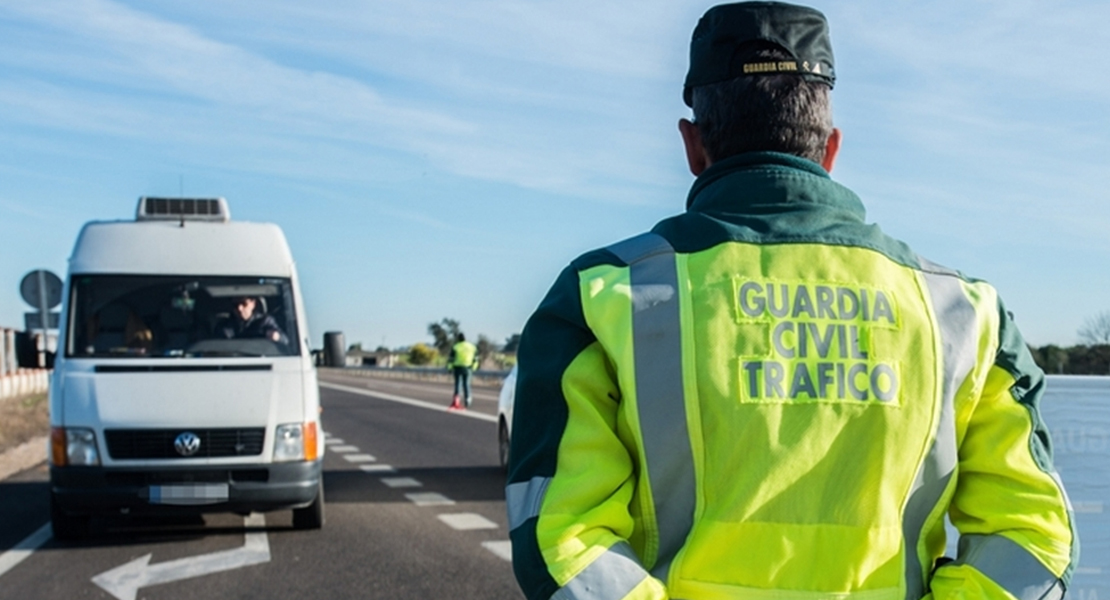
<point x="40" y="285"/>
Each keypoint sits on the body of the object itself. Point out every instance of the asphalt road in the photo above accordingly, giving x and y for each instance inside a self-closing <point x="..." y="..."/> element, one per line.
<point x="415" y="509"/>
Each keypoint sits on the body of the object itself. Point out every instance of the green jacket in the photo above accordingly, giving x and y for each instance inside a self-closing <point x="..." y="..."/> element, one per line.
<point x="767" y="398"/>
<point x="463" y="354"/>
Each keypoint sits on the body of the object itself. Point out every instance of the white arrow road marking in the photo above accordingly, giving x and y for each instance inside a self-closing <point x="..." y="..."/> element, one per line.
<point x="25" y="548"/>
<point x="124" y="581"/>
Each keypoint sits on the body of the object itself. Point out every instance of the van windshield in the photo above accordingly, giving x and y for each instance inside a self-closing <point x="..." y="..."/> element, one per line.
<point x="143" y="316"/>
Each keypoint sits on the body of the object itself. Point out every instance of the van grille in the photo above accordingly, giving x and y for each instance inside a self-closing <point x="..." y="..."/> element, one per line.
<point x="124" y="444"/>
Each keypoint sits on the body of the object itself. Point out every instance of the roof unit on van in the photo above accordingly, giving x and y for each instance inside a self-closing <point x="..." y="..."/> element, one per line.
<point x="182" y="209"/>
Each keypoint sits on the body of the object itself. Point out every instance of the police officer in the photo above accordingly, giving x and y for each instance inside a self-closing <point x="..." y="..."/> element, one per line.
<point x="767" y="397"/>
<point x="462" y="361"/>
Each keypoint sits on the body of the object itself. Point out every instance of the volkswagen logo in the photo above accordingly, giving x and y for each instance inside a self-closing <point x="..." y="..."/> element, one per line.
<point x="187" y="444"/>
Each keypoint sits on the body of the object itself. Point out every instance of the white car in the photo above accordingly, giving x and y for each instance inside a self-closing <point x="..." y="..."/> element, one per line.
<point x="505" y="416"/>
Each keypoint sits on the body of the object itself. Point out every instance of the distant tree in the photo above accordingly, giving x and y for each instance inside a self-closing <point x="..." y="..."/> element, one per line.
<point x="1089" y="360"/>
<point x="511" y="344"/>
<point x="382" y="350"/>
<point x="485" y="348"/>
<point x="355" y="347"/>
<point x="1052" y="359"/>
<point x="444" y="334"/>
<point x="1096" y="329"/>
<point x="421" y="354"/>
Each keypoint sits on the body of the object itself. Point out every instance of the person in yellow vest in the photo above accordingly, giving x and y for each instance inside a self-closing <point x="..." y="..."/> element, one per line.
<point x="766" y="397"/>
<point x="462" y="361"/>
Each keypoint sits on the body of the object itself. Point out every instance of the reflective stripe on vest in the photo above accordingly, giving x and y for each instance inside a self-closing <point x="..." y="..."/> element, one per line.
<point x="523" y="500"/>
<point x="1010" y="566"/>
<point x="660" y="395"/>
<point x="612" y="575"/>
<point x="999" y="558"/>
<point x="956" y="319"/>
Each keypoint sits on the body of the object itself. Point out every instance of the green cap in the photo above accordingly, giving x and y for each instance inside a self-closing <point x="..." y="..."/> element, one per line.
<point x="728" y="37"/>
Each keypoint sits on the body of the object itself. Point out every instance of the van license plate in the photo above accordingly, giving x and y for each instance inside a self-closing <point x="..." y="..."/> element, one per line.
<point x="187" y="495"/>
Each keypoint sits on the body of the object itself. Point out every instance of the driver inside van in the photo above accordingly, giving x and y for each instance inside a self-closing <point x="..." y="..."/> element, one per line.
<point x="246" y="321"/>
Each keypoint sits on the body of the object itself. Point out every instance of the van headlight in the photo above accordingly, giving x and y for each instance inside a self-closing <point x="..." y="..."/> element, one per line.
<point x="295" y="441"/>
<point x="73" y="446"/>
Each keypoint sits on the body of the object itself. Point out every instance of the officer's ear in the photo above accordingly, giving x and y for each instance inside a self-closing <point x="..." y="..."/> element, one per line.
<point x="832" y="148"/>
<point x="696" y="156"/>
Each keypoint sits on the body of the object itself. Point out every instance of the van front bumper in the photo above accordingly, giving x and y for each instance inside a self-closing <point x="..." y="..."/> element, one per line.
<point x="151" y="490"/>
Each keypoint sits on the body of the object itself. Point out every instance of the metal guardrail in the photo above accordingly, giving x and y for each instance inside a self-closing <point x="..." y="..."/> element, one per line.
<point x="481" y="377"/>
<point x="15" y="381"/>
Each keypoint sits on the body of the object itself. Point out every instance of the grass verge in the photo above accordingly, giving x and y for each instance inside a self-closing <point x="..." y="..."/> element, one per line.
<point x="22" y="419"/>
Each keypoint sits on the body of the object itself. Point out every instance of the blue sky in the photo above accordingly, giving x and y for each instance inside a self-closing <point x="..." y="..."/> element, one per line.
<point x="434" y="159"/>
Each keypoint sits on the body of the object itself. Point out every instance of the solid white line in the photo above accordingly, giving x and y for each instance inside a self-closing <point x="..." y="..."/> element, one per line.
<point x="503" y="549"/>
<point x="410" y="401"/>
<point x="357" y="458"/>
<point x="342" y="449"/>
<point x="429" y="499"/>
<point x="378" y="468"/>
<point x="399" y="482"/>
<point x="25" y="548"/>
<point x="467" y="521"/>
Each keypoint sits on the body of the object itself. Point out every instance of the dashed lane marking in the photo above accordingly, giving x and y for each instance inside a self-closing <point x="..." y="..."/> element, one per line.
<point x="342" y="449"/>
<point x="1093" y="508"/>
<point x="25" y="548"/>
<point x="429" y="499"/>
<point x="409" y="401"/>
<point x="378" y="468"/>
<point x="333" y="441"/>
<point x="359" y="458"/>
<point x="503" y="549"/>
<point x="467" y="521"/>
<point x="400" y="482"/>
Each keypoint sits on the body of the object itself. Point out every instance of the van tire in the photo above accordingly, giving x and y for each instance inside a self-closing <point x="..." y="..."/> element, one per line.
<point x="503" y="444"/>
<point x="311" y="516"/>
<point x="67" y="527"/>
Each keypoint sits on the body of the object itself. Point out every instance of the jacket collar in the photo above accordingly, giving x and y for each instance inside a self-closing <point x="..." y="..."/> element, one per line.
<point x="769" y="182"/>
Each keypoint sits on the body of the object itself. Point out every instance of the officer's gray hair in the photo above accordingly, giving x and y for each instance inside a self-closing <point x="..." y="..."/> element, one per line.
<point x="781" y="113"/>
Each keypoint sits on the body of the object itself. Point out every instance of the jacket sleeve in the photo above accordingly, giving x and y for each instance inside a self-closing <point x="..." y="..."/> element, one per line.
<point x="570" y="476"/>
<point x="1017" y="536"/>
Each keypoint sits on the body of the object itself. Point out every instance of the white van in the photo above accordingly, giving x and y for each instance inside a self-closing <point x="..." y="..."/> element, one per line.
<point x="183" y="381"/>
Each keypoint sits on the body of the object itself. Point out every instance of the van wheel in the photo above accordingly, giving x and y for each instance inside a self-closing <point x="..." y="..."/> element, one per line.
<point x="311" y="516"/>
<point x="67" y="527"/>
<point x="503" y="445"/>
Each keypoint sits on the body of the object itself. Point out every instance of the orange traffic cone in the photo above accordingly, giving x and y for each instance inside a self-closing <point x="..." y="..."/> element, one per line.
<point x="455" y="404"/>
